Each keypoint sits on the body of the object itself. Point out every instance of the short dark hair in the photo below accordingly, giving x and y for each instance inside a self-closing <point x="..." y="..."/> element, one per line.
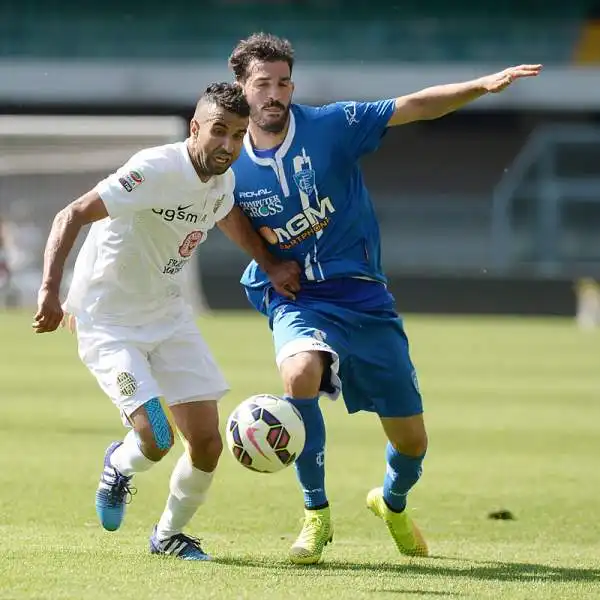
<point x="228" y="96"/>
<point x="264" y="47"/>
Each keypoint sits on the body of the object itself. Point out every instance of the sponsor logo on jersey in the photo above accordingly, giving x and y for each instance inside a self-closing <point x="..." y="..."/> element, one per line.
<point x="301" y="226"/>
<point x="174" y="266"/>
<point x="262" y="207"/>
<point x="310" y="221"/>
<point x="255" y="193"/>
<point x="131" y="180"/>
<point x="350" y="112"/>
<point x="180" y="213"/>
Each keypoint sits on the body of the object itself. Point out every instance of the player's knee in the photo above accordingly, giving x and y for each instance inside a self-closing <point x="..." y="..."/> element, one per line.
<point x="151" y="447"/>
<point x="406" y="434"/>
<point x="413" y="443"/>
<point x="205" y="450"/>
<point x="302" y="374"/>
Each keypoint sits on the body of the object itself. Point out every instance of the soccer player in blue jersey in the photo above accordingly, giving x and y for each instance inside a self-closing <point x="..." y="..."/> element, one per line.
<point x="299" y="184"/>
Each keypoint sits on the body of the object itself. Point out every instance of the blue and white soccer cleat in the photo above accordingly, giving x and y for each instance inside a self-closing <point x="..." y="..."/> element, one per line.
<point x="181" y="546"/>
<point x="113" y="493"/>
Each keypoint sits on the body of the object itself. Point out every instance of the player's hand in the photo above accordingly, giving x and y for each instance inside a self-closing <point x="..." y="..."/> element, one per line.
<point x="285" y="277"/>
<point x="49" y="314"/>
<point x="499" y="81"/>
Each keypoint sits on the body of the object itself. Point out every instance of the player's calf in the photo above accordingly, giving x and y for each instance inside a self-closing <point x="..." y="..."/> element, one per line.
<point x="150" y="440"/>
<point x="404" y="458"/>
<point x="192" y="476"/>
<point x="405" y="452"/>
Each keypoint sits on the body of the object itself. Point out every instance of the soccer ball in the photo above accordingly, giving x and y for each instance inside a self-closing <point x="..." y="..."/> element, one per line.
<point x="265" y="433"/>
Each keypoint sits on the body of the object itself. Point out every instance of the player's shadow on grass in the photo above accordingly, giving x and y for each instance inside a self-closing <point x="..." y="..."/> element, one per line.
<point x="485" y="571"/>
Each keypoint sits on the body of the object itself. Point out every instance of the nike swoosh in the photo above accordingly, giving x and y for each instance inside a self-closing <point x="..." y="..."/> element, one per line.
<point x="184" y="207"/>
<point x="250" y="435"/>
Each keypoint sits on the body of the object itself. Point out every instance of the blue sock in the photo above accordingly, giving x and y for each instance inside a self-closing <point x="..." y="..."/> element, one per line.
<point x="310" y="468"/>
<point x="402" y="472"/>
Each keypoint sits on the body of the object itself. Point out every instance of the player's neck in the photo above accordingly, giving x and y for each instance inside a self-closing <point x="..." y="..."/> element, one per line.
<point x="204" y="177"/>
<point x="265" y="140"/>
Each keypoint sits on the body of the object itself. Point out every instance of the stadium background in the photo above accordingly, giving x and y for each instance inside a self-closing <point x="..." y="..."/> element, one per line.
<point x="493" y="209"/>
<point x="469" y="222"/>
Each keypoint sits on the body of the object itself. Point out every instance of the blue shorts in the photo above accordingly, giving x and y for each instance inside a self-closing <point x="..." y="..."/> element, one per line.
<point x="375" y="368"/>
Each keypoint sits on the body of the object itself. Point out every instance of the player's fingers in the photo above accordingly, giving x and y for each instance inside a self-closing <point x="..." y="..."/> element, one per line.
<point x="525" y="68"/>
<point x="284" y="291"/>
<point x="525" y="71"/>
<point x="519" y="74"/>
<point x="47" y="321"/>
<point x="54" y="323"/>
<point x="293" y="284"/>
<point x="38" y="319"/>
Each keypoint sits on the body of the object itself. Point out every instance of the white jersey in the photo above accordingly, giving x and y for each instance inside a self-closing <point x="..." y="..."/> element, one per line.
<point x="129" y="267"/>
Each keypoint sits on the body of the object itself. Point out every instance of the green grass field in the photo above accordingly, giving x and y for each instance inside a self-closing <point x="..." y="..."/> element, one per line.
<point x="513" y="408"/>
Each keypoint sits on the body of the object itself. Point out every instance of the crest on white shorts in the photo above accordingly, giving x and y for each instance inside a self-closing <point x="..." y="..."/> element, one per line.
<point x="127" y="384"/>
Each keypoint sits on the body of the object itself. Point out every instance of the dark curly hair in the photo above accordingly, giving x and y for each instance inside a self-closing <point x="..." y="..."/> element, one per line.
<point x="263" y="47"/>
<point x="228" y="96"/>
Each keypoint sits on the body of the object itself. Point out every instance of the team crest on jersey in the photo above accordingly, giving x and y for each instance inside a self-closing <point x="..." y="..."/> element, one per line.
<point x="305" y="180"/>
<point x="127" y="384"/>
<point x="190" y="242"/>
<point x="218" y="203"/>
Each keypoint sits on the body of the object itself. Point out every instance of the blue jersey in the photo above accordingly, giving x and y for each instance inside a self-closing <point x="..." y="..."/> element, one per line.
<point x="308" y="200"/>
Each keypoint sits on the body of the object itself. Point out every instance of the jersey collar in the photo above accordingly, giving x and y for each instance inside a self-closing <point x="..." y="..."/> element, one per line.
<point x="281" y="151"/>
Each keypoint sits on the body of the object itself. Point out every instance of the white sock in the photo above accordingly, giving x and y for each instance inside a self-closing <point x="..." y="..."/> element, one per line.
<point x="188" y="488"/>
<point x="128" y="458"/>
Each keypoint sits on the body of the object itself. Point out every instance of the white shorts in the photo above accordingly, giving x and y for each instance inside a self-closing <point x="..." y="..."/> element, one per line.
<point x="167" y="358"/>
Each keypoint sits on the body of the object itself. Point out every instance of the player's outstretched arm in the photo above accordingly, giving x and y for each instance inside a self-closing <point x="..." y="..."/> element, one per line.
<point x="437" y="101"/>
<point x="65" y="229"/>
<point x="283" y="274"/>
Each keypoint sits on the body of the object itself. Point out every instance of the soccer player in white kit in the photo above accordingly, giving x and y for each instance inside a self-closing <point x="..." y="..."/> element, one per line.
<point x="135" y="332"/>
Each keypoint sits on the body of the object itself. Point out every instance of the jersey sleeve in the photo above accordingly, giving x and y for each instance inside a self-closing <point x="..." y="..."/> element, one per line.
<point x="361" y="125"/>
<point x="135" y="186"/>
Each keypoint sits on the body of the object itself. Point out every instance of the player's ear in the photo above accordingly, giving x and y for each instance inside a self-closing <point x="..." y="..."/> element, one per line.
<point x="194" y="128"/>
